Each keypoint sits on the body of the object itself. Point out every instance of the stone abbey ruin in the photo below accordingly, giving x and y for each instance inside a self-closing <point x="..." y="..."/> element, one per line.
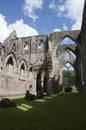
<point x="36" y="62"/>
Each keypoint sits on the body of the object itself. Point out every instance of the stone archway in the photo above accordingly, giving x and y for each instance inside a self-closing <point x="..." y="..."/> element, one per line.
<point x="58" y="50"/>
<point x="41" y="83"/>
<point x="64" y="60"/>
<point x="22" y="70"/>
<point x="10" y="64"/>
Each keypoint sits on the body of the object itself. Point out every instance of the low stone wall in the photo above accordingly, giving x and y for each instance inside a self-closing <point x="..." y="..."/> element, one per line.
<point x="10" y="86"/>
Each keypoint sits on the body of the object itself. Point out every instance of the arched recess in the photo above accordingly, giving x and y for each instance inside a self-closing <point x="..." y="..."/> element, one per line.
<point x="31" y="72"/>
<point x="10" y="64"/>
<point x="23" y="69"/>
<point x="41" y="83"/>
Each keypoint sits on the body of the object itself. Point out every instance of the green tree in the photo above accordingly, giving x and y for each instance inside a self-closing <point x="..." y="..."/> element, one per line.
<point x="71" y="78"/>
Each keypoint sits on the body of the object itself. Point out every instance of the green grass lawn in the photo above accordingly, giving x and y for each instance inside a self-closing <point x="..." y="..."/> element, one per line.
<point x="61" y="112"/>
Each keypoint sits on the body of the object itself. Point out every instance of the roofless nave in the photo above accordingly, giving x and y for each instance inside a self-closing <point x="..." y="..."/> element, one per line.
<point x="37" y="61"/>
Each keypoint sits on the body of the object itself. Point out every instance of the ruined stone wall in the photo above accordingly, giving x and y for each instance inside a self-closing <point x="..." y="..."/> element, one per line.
<point x="82" y="46"/>
<point x="25" y="60"/>
<point x="20" y="60"/>
<point x="57" y="50"/>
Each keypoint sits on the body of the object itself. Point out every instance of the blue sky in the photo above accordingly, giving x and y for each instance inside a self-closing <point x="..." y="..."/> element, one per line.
<point x="33" y="17"/>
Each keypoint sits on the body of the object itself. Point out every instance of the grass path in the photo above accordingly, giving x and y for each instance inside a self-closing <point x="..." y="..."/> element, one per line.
<point x="61" y="112"/>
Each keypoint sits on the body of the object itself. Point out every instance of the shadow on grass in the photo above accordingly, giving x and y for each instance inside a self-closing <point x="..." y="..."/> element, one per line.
<point x="60" y="112"/>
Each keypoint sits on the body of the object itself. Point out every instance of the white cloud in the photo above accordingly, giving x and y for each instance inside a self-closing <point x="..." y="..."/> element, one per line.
<point x="70" y="9"/>
<point x="61" y="8"/>
<point x="21" y="28"/>
<point x="55" y="8"/>
<point x="65" y="27"/>
<point x="76" y="25"/>
<point x="56" y="30"/>
<point x="52" y="5"/>
<point x="74" y="10"/>
<point x="31" y="6"/>
<point x="3" y="28"/>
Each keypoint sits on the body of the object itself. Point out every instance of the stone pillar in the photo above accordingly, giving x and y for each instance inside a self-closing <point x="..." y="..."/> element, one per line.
<point x="77" y="77"/>
<point x="49" y="83"/>
<point x="83" y="48"/>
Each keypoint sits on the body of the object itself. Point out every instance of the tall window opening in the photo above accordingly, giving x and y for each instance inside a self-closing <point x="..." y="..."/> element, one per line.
<point x="22" y="70"/>
<point x="41" y="45"/>
<point x="68" y="76"/>
<point x="9" y="65"/>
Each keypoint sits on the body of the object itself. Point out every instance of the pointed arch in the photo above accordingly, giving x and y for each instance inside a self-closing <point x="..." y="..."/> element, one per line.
<point x="10" y="61"/>
<point x="41" y="82"/>
<point x="67" y="40"/>
<point x="67" y="56"/>
<point x="70" y="48"/>
<point x="22" y="68"/>
<point x="69" y="36"/>
<point x="10" y="64"/>
<point x="31" y="71"/>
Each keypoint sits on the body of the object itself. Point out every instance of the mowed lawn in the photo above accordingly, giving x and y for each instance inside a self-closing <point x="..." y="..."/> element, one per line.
<point x="60" y="112"/>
